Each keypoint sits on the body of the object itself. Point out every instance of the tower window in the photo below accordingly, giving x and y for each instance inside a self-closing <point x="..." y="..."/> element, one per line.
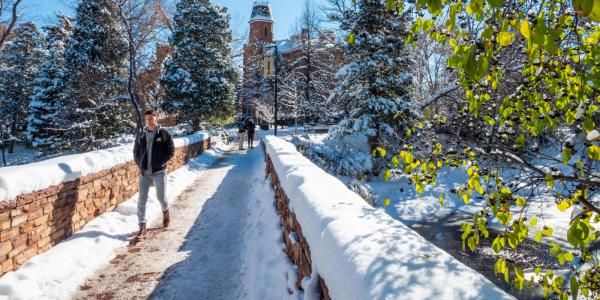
<point x="266" y="31"/>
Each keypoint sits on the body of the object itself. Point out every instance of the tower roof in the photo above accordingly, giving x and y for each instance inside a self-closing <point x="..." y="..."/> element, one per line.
<point x="261" y="11"/>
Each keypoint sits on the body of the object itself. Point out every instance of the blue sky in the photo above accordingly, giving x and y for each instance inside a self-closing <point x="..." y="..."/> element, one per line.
<point x="285" y="12"/>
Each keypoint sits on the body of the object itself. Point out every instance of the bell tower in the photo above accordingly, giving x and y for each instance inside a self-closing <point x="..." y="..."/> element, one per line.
<point x="261" y="23"/>
<point x="261" y="35"/>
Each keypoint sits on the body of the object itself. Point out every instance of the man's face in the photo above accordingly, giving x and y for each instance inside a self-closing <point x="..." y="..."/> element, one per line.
<point x="151" y="121"/>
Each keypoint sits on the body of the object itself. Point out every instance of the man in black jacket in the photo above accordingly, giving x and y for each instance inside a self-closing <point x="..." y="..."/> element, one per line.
<point x="152" y="151"/>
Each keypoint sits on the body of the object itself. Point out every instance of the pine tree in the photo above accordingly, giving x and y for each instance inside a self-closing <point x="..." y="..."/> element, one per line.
<point x="96" y="58"/>
<point x="200" y="77"/>
<point x="19" y="62"/>
<point x="46" y="118"/>
<point x="374" y="86"/>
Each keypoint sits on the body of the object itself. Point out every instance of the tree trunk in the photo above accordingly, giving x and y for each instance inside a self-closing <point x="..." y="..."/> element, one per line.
<point x="131" y="82"/>
<point x="3" y="154"/>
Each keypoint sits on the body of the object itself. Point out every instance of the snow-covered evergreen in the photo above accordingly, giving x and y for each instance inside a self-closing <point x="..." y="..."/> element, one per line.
<point x="374" y="87"/>
<point x="96" y="59"/>
<point x="20" y="59"/>
<point x="200" y="76"/>
<point x="46" y="117"/>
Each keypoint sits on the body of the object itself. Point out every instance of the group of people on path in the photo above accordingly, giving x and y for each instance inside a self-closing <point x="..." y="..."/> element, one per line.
<point x="246" y="127"/>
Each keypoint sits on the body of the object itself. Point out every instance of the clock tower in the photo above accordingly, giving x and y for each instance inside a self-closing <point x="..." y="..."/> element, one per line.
<point x="261" y="23"/>
<point x="261" y="36"/>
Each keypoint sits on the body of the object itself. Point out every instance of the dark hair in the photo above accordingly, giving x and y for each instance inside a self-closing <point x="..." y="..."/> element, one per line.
<point x="150" y="112"/>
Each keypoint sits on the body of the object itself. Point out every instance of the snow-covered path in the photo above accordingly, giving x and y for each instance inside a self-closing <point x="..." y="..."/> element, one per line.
<point x="202" y="255"/>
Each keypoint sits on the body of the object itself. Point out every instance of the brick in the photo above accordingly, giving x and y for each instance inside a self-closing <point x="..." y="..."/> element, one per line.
<point x="43" y="242"/>
<point x="39" y="221"/>
<point x="35" y="214"/>
<point x="27" y="227"/>
<point x="7" y="266"/>
<point x="47" y="209"/>
<point x="26" y="199"/>
<point x="16" y="221"/>
<point x="52" y="198"/>
<point x="30" y="207"/>
<point x="25" y="256"/>
<point x="43" y="231"/>
<point x="9" y="234"/>
<point x="5" y="215"/>
<point x="5" y="248"/>
<point x="33" y="239"/>
<point x="16" y="212"/>
<point x="56" y="214"/>
<point x="4" y="225"/>
<point x="16" y="251"/>
<point x="57" y="235"/>
<point x="19" y="240"/>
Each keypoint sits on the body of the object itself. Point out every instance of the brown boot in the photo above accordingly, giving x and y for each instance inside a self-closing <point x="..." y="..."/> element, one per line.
<point x="142" y="233"/>
<point x="166" y="218"/>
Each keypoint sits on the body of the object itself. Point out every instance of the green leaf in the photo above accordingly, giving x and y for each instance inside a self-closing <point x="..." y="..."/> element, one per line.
<point x="521" y="201"/>
<point x="547" y="231"/>
<point x="441" y="200"/>
<point x="497" y="245"/>
<point x="549" y="180"/>
<point x="538" y="236"/>
<point x="574" y="284"/>
<point x="471" y="243"/>
<point x="533" y="222"/>
<point x="563" y="205"/>
<point x="351" y="39"/>
<point x="567" y="153"/>
<point x="594" y="152"/>
<point x="504" y="217"/>
<point x="387" y="174"/>
<point x="505" y="38"/>
<point x="419" y="187"/>
<point x="386" y="202"/>
<point x="524" y="28"/>
<point x="495" y="3"/>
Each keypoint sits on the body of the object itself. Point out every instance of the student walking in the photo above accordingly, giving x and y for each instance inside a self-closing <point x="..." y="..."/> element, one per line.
<point x="241" y="133"/>
<point x="251" y="129"/>
<point x="152" y="151"/>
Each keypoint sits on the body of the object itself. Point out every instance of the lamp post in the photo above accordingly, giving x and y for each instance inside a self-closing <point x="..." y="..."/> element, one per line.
<point x="275" y="62"/>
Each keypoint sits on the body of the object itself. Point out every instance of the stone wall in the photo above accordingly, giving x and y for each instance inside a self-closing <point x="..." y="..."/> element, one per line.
<point x="296" y="246"/>
<point x="33" y="223"/>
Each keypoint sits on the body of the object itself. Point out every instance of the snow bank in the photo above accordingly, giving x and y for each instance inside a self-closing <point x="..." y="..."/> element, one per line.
<point x="57" y="273"/>
<point x="19" y="180"/>
<point x="361" y="252"/>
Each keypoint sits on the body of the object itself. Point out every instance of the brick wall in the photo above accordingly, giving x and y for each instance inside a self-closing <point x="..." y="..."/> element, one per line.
<point x="297" y="249"/>
<point x="33" y="223"/>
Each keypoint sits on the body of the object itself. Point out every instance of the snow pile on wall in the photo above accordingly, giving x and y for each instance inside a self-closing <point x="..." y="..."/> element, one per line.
<point x="59" y="272"/>
<point x="360" y="251"/>
<point x="23" y="179"/>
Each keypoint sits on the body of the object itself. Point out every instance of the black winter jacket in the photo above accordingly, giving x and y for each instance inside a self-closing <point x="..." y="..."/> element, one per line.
<point x="163" y="149"/>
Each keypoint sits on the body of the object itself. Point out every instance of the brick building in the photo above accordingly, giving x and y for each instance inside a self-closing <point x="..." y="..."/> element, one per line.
<point x="259" y="58"/>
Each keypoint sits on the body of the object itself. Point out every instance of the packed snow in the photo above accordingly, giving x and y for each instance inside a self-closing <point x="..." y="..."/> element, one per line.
<point x="58" y="272"/>
<point x="18" y="180"/>
<point x="360" y="251"/>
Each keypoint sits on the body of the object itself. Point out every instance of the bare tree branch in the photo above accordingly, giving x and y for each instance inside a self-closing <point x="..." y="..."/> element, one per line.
<point x="12" y="23"/>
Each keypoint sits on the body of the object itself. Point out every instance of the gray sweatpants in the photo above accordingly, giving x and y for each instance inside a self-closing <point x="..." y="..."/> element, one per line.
<point x="160" y="181"/>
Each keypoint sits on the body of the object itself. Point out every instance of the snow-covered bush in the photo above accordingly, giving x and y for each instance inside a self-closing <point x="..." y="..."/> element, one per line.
<point x="346" y="156"/>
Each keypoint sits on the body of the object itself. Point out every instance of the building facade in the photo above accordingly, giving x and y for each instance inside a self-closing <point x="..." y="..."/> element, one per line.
<point x="294" y="54"/>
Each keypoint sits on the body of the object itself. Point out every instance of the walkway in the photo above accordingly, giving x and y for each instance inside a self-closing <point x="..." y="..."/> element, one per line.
<point x="201" y="255"/>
